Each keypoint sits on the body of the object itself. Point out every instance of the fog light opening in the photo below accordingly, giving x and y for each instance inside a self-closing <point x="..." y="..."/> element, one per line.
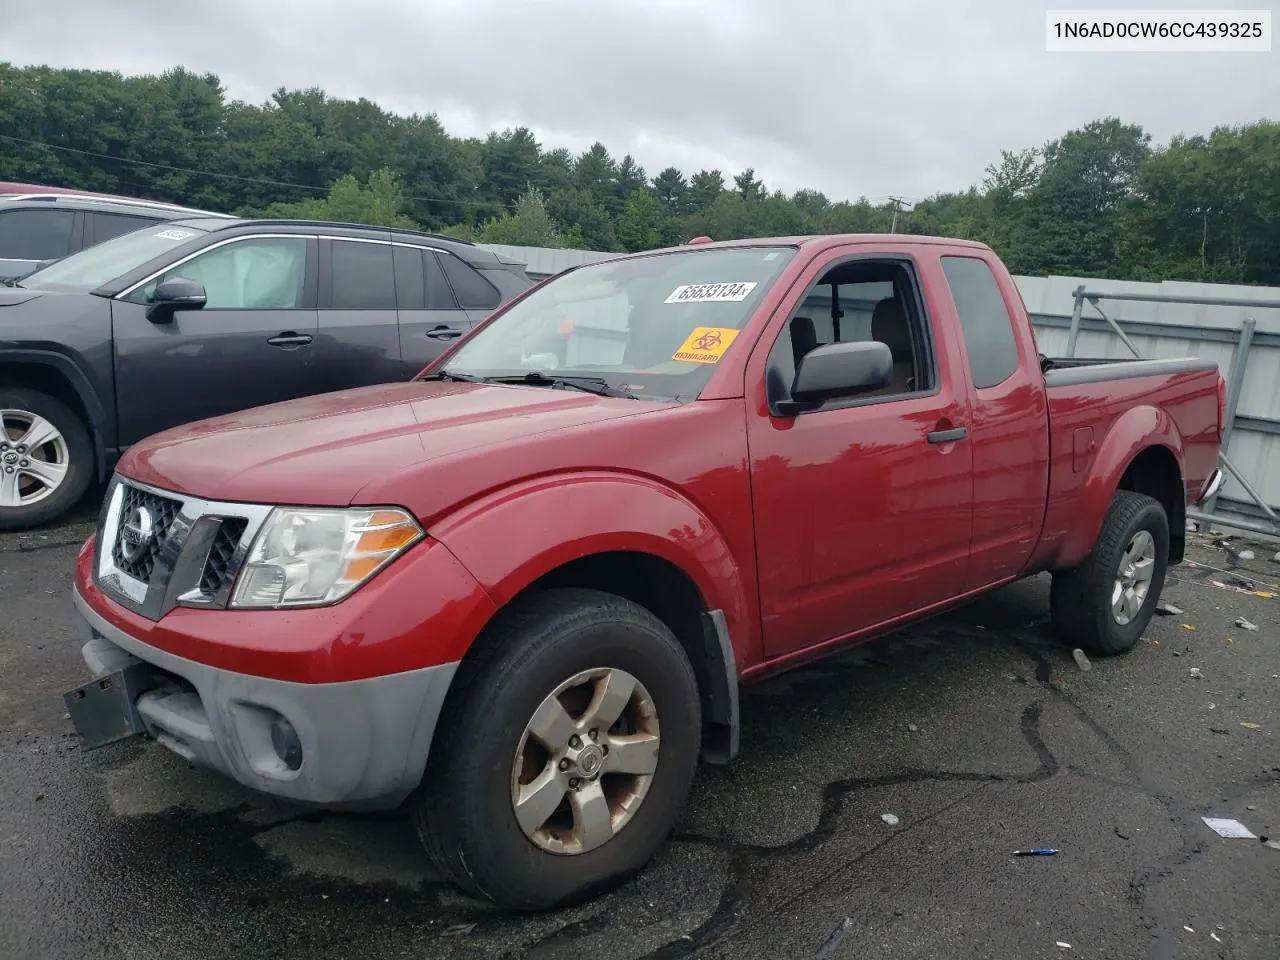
<point x="285" y="742"/>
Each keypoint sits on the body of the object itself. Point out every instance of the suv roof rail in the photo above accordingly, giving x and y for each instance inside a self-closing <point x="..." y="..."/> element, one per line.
<point x="117" y="201"/>
<point x="402" y="231"/>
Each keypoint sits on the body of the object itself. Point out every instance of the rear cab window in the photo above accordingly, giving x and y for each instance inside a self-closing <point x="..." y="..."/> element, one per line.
<point x="653" y="325"/>
<point x="984" y="320"/>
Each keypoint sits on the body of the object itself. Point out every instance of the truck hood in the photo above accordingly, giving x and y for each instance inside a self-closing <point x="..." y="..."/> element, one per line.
<point x="321" y="450"/>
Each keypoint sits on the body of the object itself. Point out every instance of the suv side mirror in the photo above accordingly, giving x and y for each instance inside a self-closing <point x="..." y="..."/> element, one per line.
<point x="837" y="370"/>
<point x="175" y="294"/>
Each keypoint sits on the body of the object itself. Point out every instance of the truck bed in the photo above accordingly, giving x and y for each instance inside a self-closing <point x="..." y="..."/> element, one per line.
<point x="1088" y="397"/>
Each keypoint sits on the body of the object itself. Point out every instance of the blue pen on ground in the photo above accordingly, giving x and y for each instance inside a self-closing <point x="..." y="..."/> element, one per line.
<point x="1035" y="852"/>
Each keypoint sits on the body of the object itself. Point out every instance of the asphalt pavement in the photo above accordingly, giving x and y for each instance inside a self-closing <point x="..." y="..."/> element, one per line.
<point x="975" y="734"/>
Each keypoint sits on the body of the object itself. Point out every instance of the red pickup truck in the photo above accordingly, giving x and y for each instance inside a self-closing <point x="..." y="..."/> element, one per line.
<point x="519" y="594"/>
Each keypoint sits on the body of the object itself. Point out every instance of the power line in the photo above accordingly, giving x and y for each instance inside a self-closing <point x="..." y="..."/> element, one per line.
<point x="260" y="181"/>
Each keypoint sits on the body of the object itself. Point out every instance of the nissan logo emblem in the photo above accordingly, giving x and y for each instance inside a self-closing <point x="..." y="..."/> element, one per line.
<point x="136" y="534"/>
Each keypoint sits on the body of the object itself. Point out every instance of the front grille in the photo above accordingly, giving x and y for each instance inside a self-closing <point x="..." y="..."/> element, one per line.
<point x="218" y="572"/>
<point x="162" y="512"/>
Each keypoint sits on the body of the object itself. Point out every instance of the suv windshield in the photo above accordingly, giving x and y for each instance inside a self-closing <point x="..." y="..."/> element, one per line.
<point x="96" y="265"/>
<point x="651" y="326"/>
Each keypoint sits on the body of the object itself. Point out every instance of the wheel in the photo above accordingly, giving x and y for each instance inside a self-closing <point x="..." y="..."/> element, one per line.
<point x="46" y="458"/>
<point x="1104" y="605"/>
<point x="566" y="753"/>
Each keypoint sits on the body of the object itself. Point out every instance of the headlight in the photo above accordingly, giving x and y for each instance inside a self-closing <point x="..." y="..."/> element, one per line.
<point x="309" y="557"/>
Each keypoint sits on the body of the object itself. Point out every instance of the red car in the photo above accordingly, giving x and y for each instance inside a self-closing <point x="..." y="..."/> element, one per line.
<point x="521" y="592"/>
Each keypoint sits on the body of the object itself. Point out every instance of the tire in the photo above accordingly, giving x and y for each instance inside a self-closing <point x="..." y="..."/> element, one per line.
<point x="35" y="501"/>
<point x="1081" y="598"/>
<point x="465" y="810"/>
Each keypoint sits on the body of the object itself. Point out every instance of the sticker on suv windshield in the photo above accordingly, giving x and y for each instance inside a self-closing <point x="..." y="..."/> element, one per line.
<point x="711" y="293"/>
<point x="174" y="234"/>
<point x="705" y="344"/>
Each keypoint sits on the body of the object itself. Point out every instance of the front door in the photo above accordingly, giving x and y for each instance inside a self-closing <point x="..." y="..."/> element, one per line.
<point x="864" y="506"/>
<point x="253" y="343"/>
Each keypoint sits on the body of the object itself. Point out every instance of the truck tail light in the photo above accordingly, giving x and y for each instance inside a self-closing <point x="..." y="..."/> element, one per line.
<point x="1222" y="406"/>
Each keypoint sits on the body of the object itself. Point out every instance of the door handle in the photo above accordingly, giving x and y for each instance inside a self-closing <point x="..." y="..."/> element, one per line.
<point x="444" y="333"/>
<point x="948" y="436"/>
<point x="290" y="339"/>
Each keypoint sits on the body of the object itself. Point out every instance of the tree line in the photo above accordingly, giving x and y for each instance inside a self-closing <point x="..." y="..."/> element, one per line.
<point x="1102" y="200"/>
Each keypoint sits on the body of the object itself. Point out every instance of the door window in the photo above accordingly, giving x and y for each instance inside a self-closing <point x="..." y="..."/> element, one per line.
<point x="363" y="276"/>
<point x="861" y="300"/>
<point x="411" y="291"/>
<point x="36" y="234"/>
<point x="259" y="273"/>
<point x="439" y="296"/>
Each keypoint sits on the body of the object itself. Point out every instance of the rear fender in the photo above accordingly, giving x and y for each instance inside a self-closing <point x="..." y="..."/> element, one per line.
<point x="510" y="538"/>
<point x="1133" y="432"/>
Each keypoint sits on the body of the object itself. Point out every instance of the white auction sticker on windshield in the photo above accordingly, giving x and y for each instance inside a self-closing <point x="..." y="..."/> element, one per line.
<point x="175" y="234"/>
<point x="711" y="293"/>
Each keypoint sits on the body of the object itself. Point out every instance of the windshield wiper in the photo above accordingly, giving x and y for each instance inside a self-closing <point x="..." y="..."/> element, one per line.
<point x="450" y="375"/>
<point x="596" y="385"/>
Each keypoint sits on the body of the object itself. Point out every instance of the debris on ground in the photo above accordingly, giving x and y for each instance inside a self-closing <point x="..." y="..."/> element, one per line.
<point x="1036" y="852"/>
<point x="1246" y="555"/>
<point x="1230" y="829"/>
<point x="1244" y="624"/>
<point x="1213" y="936"/>
<point x="913" y="728"/>
<point x="1187" y="626"/>
<point x="1250" y="726"/>
<point x="1188" y="929"/>
<point x="1064" y="945"/>
<point x="834" y="942"/>
<point x="1082" y="661"/>
<point x="1273" y="844"/>
<point x="890" y="819"/>
<point x="458" y="930"/>
<point x="1196" y="674"/>
<point x="1166" y="609"/>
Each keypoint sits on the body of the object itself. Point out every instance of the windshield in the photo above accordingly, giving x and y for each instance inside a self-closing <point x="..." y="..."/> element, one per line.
<point x="102" y="263"/>
<point x="654" y="327"/>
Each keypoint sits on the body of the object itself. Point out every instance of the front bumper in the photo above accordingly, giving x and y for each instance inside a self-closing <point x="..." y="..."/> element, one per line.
<point x="363" y="743"/>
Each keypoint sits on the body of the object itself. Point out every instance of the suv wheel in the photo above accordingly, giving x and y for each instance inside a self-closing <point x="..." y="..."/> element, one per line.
<point x="1104" y="604"/>
<point x="46" y="458"/>
<point x="569" y="748"/>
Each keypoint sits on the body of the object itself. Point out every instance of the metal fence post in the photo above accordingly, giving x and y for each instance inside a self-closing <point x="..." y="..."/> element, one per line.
<point x="1235" y="384"/>
<point x="1075" y="321"/>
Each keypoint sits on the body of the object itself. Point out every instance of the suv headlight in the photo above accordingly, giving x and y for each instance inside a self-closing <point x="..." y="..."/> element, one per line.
<point x="315" y="556"/>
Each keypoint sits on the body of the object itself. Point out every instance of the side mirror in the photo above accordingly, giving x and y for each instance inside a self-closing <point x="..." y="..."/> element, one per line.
<point x="839" y="370"/>
<point x="175" y="294"/>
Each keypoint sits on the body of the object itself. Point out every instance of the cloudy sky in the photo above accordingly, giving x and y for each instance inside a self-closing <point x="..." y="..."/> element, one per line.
<point x="851" y="97"/>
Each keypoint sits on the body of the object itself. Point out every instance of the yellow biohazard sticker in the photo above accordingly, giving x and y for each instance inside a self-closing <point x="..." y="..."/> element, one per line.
<point x="705" y="345"/>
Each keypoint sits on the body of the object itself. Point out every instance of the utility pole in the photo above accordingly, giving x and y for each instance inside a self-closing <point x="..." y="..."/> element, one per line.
<point x="897" y="205"/>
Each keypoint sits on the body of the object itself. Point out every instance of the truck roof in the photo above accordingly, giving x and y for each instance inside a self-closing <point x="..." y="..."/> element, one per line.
<point x="825" y="240"/>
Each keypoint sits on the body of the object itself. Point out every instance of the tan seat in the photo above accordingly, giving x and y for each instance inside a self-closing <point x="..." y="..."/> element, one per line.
<point x="889" y="325"/>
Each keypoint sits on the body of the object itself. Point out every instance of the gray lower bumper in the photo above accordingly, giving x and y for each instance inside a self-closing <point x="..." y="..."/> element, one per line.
<point x="364" y="743"/>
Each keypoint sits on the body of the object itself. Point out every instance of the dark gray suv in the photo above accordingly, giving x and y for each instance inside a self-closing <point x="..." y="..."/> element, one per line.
<point x="189" y="319"/>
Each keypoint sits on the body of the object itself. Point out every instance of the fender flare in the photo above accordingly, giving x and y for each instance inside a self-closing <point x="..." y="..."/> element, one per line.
<point x="1134" y="432"/>
<point x="79" y="382"/>
<point x="512" y="537"/>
